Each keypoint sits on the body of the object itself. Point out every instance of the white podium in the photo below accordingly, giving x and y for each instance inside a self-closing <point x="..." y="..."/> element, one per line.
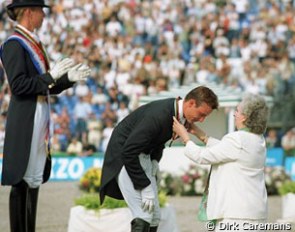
<point x="115" y="220"/>
<point x="288" y="207"/>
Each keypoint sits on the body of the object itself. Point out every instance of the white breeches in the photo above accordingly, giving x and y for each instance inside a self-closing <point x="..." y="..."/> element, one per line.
<point x="133" y="196"/>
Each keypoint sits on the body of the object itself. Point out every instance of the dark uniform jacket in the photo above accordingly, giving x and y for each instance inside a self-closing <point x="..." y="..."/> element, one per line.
<point x="25" y="84"/>
<point x="146" y="130"/>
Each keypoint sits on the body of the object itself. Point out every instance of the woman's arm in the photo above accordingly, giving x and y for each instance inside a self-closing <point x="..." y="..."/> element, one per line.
<point x="179" y="129"/>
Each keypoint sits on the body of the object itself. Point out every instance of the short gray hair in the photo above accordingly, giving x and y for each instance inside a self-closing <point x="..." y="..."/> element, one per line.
<point x="255" y="110"/>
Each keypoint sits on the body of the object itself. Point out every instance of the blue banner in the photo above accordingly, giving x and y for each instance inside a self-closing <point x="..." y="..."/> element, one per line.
<point x="290" y="167"/>
<point x="70" y="168"/>
<point x="274" y="157"/>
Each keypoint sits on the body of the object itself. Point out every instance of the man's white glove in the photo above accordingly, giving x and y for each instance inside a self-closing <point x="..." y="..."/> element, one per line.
<point x="156" y="171"/>
<point x="79" y="72"/>
<point x="61" y="67"/>
<point x="148" y="199"/>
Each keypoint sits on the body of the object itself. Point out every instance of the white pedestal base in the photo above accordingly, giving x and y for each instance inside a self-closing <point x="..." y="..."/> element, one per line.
<point x="115" y="220"/>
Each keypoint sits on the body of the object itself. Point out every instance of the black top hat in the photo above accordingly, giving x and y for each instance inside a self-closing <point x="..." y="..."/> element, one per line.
<point x="23" y="3"/>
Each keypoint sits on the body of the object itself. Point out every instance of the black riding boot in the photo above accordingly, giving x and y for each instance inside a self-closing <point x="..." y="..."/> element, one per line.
<point x="153" y="229"/>
<point x="139" y="225"/>
<point x="32" y="208"/>
<point x="18" y="207"/>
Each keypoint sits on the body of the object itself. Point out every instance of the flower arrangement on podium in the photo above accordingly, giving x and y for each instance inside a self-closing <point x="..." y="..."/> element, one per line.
<point x="194" y="180"/>
<point x="90" y="181"/>
<point x="190" y="183"/>
<point x="274" y="179"/>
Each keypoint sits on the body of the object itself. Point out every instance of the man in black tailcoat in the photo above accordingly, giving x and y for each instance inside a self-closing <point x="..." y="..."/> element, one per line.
<point x="130" y="166"/>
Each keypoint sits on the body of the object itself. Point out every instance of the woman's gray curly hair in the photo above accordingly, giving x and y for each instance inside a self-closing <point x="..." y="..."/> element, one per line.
<point x="255" y="110"/>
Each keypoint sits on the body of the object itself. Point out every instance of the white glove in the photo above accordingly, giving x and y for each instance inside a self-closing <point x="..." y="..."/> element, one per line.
<point x="156" y="171"/>
<point x="148" y="199"/>
<point x="79" y="72"/>
<point x="61" y="67"/>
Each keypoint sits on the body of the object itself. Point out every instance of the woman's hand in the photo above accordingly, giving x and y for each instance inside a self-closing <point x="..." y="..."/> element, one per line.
<point x="180" y="130"/>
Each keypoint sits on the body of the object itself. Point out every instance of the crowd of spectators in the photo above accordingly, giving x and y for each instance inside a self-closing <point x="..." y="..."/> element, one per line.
<point x="142" y="47"/>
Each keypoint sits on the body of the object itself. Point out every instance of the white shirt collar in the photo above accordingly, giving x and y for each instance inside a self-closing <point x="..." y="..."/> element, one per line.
<point x="33" y="35"/>
<point x="180" y="110"/>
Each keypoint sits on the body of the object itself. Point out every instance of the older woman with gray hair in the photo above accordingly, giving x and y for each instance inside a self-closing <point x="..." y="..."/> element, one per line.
<point x="237" y="196"/>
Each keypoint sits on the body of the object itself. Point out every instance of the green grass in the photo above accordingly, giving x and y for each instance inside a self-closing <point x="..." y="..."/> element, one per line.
<point x="91" y="201"/>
